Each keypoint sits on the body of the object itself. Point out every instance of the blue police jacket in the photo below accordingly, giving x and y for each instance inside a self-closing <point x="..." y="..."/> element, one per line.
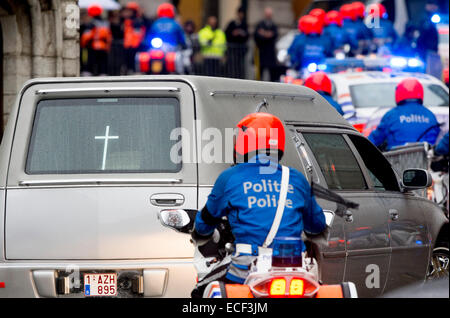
<point x="353" y="32"/>
<point x="312" y="48"/>
<point x="338" y="35"/>
<point x="248" y="195"/>
<point x="332" y="102"/>
<point x="385" y="30"/>
<point x="168" y="30"/>
<point x="408" y="122"/>
<point x="442" y="146"/>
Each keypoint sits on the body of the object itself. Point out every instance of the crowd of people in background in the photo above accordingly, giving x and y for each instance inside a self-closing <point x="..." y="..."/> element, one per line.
<point x="109" y="46"/>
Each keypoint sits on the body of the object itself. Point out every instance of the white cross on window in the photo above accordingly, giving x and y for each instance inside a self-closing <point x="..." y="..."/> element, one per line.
<point x="106" y="137"/>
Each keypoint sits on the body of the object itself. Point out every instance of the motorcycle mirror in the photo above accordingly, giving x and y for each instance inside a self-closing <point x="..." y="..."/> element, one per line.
<point x="178" y="219"/>
<point x="329" y="217"/>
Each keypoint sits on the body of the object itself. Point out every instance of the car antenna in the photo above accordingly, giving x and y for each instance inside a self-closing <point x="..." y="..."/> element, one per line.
<point x="264" y="103"/>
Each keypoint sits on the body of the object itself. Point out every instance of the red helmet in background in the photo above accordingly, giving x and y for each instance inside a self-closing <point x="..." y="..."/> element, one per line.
<point x="166" y="10"/>
<point x="409" y="88"/>
<point x="309" y="24"/>
<point x="359" y="10"/>
<point x="133" y="6"/>
<point x="319" y="82"/>
<point x="94" y="10"/>
<point x="260" y="131"/>
<point x="333" y="17"/>
<point x="377" y="10"/>
<point x="346" y="11"/>
<point x="319" y="13"/>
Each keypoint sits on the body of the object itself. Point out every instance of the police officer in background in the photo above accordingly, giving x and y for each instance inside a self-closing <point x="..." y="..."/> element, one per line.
<point x="134" y="28"/>
<point x="409" y="122"/>
<point x="311" y="46"/>
<point x="333" y="28"/>
<point x="321" y="83"/>
<point x="248" y="194"/>
<point x="384" y="34"/>
<point x="167" y="29"/>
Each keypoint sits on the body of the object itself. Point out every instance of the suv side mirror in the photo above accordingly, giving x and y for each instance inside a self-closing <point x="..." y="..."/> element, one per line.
<point x="416" y="179"/>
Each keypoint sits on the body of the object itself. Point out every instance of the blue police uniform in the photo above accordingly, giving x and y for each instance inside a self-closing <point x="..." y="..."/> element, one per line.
<point x="353" y="33"/>
<point x="442" y="147"/>
<point x="385" y="30"/>
<point x="332" y="102"/>
<point x="337" y="35"/>
<point x="168" y="30"/>
<point x="249" y="199"/>
<point x="312" y="48"/>
<point x="408" y="122"/>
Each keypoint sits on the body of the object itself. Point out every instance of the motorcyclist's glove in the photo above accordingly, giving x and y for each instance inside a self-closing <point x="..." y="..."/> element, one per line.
<point x="200" y="240"/>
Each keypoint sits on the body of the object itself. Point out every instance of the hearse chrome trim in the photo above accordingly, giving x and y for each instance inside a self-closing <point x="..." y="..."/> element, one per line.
<point x="96" y="181"/>
<point x="105" y="90"/>
<point x="255" y="94"/>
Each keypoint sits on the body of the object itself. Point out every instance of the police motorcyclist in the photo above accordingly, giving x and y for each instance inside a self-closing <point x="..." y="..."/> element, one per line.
<point x="352" y="28"/>
<point x="410" y="121"/>
<point x="333" y="28"/>
<point x="166" y="29"/>
<point x="311" y="46"/>
<point x="384" y="34"/>
<point x="248" y="195"/>
<point x="365" y="36"/>
<point x="321" y="83"/>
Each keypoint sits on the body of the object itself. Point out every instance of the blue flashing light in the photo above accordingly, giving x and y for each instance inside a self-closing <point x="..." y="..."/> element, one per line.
<point x="312" y="67"/>
<point x="413" y="62"/>
<point x="322" y="67"/>
<point x="157" y="43"/>
<point x="287" y="252"/>
<point x="436" y="18"/>
<point x="397" y="62"/>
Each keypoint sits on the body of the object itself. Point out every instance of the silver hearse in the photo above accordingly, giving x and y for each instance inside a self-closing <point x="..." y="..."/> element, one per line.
<point x="86" y="165"/>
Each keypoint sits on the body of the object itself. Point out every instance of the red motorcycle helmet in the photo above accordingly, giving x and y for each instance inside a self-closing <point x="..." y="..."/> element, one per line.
<point x="319" y="13"/>
<point x="133" y="6"/>
<point x="258" y="132"/>
<point x="333" y="17"/>
<point x="346" y="11"/>
<point x="166" y="10"/>
<point x="319" y="82"/>
<point x="94" y="10"/>
<point x="309" y="24"/>
<point x="377" y="10"/>
<point x="359" y="10"/>
<point x="409" y="88"/>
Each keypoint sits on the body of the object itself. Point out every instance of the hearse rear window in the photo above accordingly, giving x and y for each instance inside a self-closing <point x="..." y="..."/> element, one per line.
<point x="108" y="135"/>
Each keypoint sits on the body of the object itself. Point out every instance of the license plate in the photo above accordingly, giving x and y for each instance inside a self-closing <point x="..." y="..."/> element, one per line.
<point x="100" y="284"/>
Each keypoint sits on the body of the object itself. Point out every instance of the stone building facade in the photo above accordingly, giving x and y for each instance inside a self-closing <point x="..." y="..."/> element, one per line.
<point x="38" y="38"/>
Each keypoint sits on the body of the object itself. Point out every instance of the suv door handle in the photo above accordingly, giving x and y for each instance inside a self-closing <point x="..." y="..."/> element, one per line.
<point x="167" y="199"/>
<point x="393" y="213"/>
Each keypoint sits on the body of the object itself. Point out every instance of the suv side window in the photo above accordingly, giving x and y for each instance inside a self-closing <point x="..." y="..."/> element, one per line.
<point x="104" y="135"/>
<point x="336" y="160"/>
<point x="380" y="170"/>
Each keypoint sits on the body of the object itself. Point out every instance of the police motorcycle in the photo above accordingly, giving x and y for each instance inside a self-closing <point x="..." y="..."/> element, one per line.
<point x="281" y="272"/>
<point x="163" y="58"/>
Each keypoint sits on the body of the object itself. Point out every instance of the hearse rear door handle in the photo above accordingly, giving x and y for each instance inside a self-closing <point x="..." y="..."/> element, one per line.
<point x="167" y="199"/>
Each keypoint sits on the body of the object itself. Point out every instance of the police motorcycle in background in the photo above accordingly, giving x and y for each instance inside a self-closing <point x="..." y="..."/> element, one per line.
<point x="282" y="272"/>
<point x="164" y="58"/>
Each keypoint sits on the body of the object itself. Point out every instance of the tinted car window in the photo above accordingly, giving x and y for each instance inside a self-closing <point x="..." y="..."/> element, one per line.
<point x="383" y="95"/>
<point x="114" y="135"/>
<point x="336" y="160"/>
<point x="380" y="170"/>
